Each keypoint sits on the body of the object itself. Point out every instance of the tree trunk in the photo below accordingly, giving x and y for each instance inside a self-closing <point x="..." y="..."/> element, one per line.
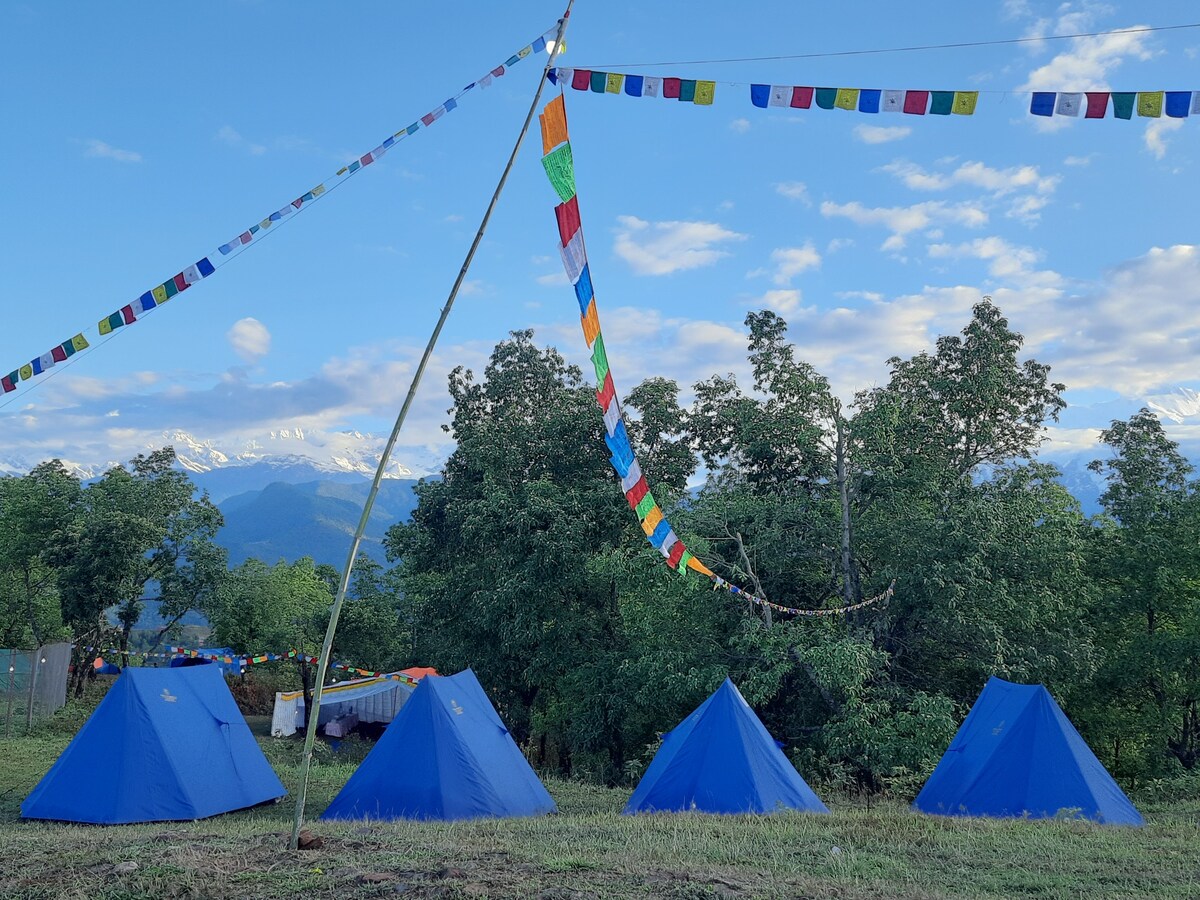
<point x="305" y="683"/>
<point x="848" y="597"/>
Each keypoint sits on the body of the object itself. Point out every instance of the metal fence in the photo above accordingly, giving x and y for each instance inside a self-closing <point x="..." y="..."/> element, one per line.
<point x="33" y="684"/>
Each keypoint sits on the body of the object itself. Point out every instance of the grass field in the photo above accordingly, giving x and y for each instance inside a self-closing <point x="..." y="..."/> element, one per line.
<point x="587" y="850"/>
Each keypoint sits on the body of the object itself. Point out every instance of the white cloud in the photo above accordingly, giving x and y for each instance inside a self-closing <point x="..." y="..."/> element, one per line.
<point x="997" y="182"/>
<point x="783" y="302"/>
<point x="1005" y="260"/>
<point x="878" y="134"/>
<point x="249" y="338"/>
<point x="1027" y="208"/>
<point x="101" y="150"/>
<point x="791" y="261"/>
<point x="794" y="190"/>
<point x="555" y="279"/>
<point x="903" y="220"/>
<point x="836" y="244"/>
<point x="1155" y="135"/>
<point x="1087" y="63"/>
<point x="740" y="126"/>
<point x="230" y="137"/>
<point x="1079" y="160"/>
<point x="660" y="248"/>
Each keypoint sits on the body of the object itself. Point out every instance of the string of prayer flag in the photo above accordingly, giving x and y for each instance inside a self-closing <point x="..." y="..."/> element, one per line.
<point x="206" y="265"/>
<point x="1095" y="104"/>
<point x="559" y="164"/>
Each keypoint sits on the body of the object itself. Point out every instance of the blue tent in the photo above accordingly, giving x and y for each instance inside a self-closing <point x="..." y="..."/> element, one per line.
<point x="164" y="744"/>
<point x="721" y="759"/>
<point x="446" y="755"/>
<point x="1017" y="754"/>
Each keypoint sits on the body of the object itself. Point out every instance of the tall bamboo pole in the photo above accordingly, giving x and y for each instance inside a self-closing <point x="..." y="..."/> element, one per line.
<point x="335" y="612"/>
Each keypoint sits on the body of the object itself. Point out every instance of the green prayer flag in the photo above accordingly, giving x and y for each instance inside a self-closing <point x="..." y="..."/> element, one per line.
<point x="826" y="97"/>
<point x="170" y="288"/>
<point x="681" y="567"/>
<point x="687" y="91"/>
<point x="599" y="359"/>
<point x="648" y="503"/>
<point x="599" y="82"/>
<point x="1123" y="105"/>
<point x="560" y="169"/>
<point x="942" y="103"/>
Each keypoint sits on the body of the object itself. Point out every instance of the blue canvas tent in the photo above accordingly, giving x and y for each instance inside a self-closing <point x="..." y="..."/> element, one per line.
<point x="1017" y="754"/>
<point x="446" y="755"/>
<point x="721" y="759"/>
<point x="164" y="744"/>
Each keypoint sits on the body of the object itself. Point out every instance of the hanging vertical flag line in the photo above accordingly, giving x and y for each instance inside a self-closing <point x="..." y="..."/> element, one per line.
<point x="206" y="265"/>
<point x="558" y="161"/>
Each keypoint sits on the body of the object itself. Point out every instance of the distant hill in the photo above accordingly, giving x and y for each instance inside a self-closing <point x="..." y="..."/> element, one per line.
<point x="315" y="518"/>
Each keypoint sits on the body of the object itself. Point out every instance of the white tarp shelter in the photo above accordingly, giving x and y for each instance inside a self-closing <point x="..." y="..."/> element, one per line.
<point x="370" y="699"/>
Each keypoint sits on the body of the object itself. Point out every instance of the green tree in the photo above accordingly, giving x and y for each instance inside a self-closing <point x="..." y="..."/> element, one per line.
<point x="1147" y="559"/>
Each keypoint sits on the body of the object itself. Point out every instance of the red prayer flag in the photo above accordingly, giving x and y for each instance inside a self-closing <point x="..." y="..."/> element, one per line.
<point x="670" y="88"/>
<point x="8" y="384"/>
<point x="427" y="119"/>
<point x="367" y="159"/>
<point x="637" y="493"/>
<point x="677" y="549"/>
<point x="498" y="71"/>
<point x="915" y="102"/>
<point x="127" y="312"/>
<point x="180" y="283"/>
<point x="245" y="238"/>
<point x="582" y="80"/>
<point x="297" y="203"/>
<point x="802" y="97"/>
<point x="607" y="391"/>
<point x="568" y="219"/>
<point x="1097" y="104"/>
<point x="59" y="353"/>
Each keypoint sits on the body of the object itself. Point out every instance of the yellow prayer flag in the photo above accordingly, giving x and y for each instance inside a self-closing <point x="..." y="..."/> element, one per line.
<point x="104" y="326"/>
<point x="591" y="323"/>
<point x="524" y="52"/>
<point x="847" y="98"/>
<point x="1150" y="103"/>
<point x="705" y="90"/>
<point x="318" y="190"/>
<point x="554" y="124"/>
<point x="964" y="102"/>
<point x="612" y="84"/>
<point x="651" y="521"/>
<point x="26" y="372"/>
<point x="79" y="342"/>
<point x="343" y="170"/>
<point x="265" y="223"/>
<point x="160" y="294"/>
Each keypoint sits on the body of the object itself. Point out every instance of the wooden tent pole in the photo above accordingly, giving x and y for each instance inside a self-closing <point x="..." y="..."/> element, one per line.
<point x="339" y="600"/>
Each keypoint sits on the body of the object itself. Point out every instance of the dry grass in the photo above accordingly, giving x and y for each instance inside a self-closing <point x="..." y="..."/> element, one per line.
<point x="588" y="850"/>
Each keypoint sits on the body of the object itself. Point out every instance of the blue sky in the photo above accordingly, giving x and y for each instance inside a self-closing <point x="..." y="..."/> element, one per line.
<point x="141" y="136"/>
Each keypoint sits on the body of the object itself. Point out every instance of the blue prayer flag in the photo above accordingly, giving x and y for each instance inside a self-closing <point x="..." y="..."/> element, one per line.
<point x="539" y="45"/>
<point x="760" y="95"/>
<point x="868" y="101"/>
<point x="633" y="85"/>
<point x="1178" y="104"/>
<point x="206" y="268"/>
<point x="450" y="104"/>
<point x="661" y="530"/>
<point x="1042" y="103"/>
<point x="583" y="290"/>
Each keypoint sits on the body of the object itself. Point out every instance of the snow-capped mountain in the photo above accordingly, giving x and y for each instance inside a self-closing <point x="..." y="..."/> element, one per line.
<point x="1178" y="406"/>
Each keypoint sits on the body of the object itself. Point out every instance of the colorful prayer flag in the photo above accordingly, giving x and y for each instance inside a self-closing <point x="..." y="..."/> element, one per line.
<point x="1178" y="103"/>
<point x="591" y="323"/>
<point x="58" y="354"/>
<point x="554" y="124"/>
<point x="1150" y="104"/>
<point x="846" y="98"/>
<point x="1122" y="104"/>
<point x="598" y="82"/>
<point x="160" y="294"/>
<point x="568" y="218"/>
<point x="79" y="342"/>
<point x="26" y="372"/>
<point x="573" y="257"/>
<point x="9" y="382"/>
<point x="781" y="95"/>
<point x="760" y="94"/>
<point x="941" y="103"/>
<point x="651" y="86"/>
<point x="560" y="169"/>
<point x="802" y="97"/>
<point x="868" y="101"/>
<point x="705" y="92"/>
<point x="599" y="358"/>
<point x="584" y="292"/>
<point x="670" y="88"/>
<point x="1097" y="104"/>
<point x="915" y="102"/>
<point x="1068" y="104"/>
<point x="687" y="90"/>
<point x="964" y="102"/>
<point x="612" y="84"/>
<point x="582" y="79"/>
<point x="893" y="101"/>
<point x="633" y="85"/>
<point x="826" y="97"/>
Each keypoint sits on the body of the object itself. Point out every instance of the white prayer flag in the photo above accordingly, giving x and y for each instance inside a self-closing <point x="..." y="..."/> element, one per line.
<point x="1196" y="103"/>
<point x="634" y="476"/>
<point x="781" y="95"/>
<point x="612" y="416"/>
<point x="650" y="86"/>
<point x="574" y="257"/>
<point x="47" y="360"/>
<point x="1068" y="104"/>
<point x="191" y="275"/>
<point x="892" y="101"/>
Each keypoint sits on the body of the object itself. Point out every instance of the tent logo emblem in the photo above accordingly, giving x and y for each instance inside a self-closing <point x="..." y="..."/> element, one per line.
<point x="457" y="709"/>
<point x="999" y="728"/>
<point x="168" y="696"/>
